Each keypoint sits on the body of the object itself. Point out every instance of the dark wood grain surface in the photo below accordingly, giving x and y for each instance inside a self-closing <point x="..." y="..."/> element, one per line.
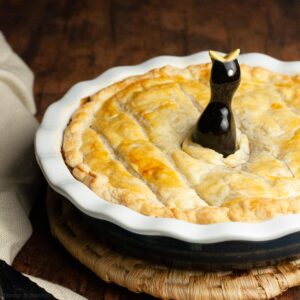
<point x="69" y="41"/>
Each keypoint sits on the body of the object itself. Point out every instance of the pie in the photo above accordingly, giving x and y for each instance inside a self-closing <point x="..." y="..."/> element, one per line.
<point x="131" y="144"/>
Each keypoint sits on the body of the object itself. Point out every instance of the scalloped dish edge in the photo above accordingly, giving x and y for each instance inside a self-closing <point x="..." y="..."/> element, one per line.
<point x="48" y="142"/>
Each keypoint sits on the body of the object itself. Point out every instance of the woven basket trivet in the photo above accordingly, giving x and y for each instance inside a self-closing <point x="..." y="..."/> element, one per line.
<point x="159" y="281"/>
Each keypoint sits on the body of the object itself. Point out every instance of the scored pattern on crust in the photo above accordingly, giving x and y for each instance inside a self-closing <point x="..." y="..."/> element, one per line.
<point x="130" y="143"/>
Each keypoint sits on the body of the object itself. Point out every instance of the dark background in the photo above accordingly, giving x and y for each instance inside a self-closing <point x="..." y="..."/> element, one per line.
<point x="69" y="41"/>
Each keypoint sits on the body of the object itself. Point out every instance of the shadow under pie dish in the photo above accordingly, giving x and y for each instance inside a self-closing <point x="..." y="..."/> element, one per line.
<point x="129" y="141"/>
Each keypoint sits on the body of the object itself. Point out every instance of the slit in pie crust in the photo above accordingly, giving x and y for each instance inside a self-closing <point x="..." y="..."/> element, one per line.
<point x="130" y="143"/>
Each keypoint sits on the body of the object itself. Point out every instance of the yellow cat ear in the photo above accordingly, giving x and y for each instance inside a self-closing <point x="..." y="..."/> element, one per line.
<point x="232" y="55"/>
<point x="228" y="57"/>
<point x="215" y="56"/>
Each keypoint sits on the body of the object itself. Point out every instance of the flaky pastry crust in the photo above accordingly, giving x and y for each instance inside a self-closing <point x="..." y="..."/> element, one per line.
<point x="130" y="143"/>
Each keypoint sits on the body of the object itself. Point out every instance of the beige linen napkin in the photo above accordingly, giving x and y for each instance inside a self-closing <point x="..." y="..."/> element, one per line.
<point x="18" y="171"/>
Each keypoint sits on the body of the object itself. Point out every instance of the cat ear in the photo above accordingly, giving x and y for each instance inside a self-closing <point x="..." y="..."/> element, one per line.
<point x="216" y="56"/>
<point x="232" y="55"/>
<point x="228" y="57"/>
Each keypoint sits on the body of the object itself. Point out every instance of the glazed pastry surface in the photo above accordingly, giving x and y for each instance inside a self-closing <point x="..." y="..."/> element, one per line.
<point x="131" y="144"/>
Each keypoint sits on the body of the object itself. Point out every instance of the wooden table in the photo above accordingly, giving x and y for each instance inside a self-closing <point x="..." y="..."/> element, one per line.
<point x="69" y="41"/>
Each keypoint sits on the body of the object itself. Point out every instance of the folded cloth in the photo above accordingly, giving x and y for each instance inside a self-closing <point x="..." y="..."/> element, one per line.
<point x="14" y="285"/>
<point x="19" y="174"/>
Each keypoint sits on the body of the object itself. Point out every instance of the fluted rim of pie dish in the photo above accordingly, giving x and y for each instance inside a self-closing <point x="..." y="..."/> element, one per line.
<point x="48" y="143"/>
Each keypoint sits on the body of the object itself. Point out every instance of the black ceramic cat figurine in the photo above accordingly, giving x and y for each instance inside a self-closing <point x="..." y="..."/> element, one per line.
<point x="215" y="128"/>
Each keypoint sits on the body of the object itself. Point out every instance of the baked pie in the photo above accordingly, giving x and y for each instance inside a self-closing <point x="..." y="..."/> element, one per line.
<point x="132" y="144"/>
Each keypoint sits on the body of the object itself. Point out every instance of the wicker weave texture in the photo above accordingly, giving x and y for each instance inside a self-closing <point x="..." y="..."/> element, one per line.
<point x="159" y="281"/>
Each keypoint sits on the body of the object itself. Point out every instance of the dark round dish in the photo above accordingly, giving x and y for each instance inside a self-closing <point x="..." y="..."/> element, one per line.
<point x="230" y="255"/>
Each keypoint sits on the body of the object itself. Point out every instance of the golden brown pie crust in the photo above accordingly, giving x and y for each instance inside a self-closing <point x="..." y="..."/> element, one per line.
<point x="130" y="143"/>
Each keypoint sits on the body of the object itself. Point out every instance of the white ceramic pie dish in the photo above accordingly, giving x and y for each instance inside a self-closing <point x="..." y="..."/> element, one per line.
<point x="48" y="152"/>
